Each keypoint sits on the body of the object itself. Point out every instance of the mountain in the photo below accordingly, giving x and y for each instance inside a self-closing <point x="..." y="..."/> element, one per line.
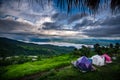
<point x="9" y="47"/>
<point x="90" y="41"/>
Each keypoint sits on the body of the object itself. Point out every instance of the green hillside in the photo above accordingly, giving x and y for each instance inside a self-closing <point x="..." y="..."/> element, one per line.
<point x="55" y="67"/>
<point x="59" y="68"/>
<point x="10" y="47"/>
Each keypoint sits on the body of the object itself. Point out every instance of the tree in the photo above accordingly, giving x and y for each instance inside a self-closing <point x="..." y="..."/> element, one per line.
<point x="97" y="49"/>
<point x="76" y="52"/>
<point x="103" y="49"/>
<point x="110" y="49"/>
<point x="117" y="47"/>
<point x="85" y="51"/>
<point x="111" y="46"/>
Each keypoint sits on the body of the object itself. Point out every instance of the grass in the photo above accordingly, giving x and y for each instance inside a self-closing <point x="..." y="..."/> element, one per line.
<point x="107" y="72"/>
<point x="16" y="71"/>
<point x="60" y="68"/>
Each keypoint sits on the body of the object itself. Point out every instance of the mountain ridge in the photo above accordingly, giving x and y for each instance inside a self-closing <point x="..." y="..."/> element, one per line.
<point x="9" y="47"/>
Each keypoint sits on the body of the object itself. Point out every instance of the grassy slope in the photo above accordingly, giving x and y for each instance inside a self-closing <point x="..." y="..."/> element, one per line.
<point x="59" y="68"/>
<point x="21" y="70"/>
<point x="107" y="72"/>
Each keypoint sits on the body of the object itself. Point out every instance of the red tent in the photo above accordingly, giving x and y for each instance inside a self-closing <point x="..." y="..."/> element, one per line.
<point x="107" y="58"/>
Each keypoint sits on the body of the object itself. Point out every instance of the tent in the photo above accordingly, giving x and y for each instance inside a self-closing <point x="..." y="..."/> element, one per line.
<point x="98" y="60"/>
<point x="107" y="58"/>
<point x="83" y="63"/>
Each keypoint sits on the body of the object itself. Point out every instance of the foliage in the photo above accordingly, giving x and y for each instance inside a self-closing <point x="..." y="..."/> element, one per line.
<point x="60" y="68"/>
<point x="21" y="70"/>
<point x="111" y="49"/>
<point x="97" y="48"/>
<point x="15" y="60"/>
<point x="107" y="72"/>
<point x="86" y="51"/>
<point x="10" y="47"/>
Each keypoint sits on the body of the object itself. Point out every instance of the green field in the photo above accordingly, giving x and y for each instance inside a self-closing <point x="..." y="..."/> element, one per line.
<point x="21" y="70"/>
<point x="51" y="63"/>
<point x="59" y="68"/>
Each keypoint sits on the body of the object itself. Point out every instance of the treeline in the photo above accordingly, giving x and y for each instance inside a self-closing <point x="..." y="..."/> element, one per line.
<point x="5" y="61"/>
<point x="97" y="49"/>
<point x="16" y="52"/>
<point x="20" y="59"/>
<point x="10" y="47"/>
<point x="84" y="51"/>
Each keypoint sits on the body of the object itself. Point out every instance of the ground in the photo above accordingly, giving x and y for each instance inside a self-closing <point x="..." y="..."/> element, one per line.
<point x="59" y="68"/>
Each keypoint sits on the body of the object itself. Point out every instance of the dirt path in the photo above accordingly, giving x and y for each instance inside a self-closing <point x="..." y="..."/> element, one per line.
<point x="37" y="75"/>
<point x="33" y="76"/>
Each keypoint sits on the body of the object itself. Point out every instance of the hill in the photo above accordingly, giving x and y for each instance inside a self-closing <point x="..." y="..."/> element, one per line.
<point x="9" y="47"/>
<point x="59" y="68"/>
<point x="90" y="41"/>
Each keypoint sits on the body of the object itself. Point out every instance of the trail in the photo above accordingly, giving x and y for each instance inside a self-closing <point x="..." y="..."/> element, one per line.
<point x="37" y="75"/>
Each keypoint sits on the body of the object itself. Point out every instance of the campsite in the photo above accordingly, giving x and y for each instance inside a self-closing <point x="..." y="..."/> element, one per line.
<point x="59" y="39"/>
<point x="77" y="64"/>
<point x="60" y="69"/>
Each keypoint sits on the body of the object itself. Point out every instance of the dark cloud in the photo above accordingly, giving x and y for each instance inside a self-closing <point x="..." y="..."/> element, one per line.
<point x="59" y="16"/>
<point x="85" y="22"/>
<point x="22" y="36"/>
<point x="49" y="25"/>
<point x="76" y="17"/>
<point x="77" y="26"/>
<point x="103" y="32"/>
<point x="1" y="2"/>
<point x="110" y="27"/>
<point x="112" y="21"/>
<point x="57" y="25"/>
<point x="11" y="26"/>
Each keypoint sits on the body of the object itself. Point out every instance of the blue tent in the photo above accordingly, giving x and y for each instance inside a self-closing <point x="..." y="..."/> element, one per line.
<point x="84" y="64"/>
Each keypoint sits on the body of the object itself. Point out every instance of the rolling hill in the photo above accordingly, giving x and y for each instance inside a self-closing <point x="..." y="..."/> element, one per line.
<point x="9" y="47"/>
<point x="59" y="68"/>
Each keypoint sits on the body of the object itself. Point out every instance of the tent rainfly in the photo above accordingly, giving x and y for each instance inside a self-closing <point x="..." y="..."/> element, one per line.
<point x="107" y="58"/>
<point x="83" y="63"/>
<point x="98" y="60"/>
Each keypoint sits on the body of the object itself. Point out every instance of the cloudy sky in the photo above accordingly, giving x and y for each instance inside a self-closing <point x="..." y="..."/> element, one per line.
<point x="23" y="20"/>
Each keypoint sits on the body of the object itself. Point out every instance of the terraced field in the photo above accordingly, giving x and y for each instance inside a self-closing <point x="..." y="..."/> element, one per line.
<point x="59" y="68"/>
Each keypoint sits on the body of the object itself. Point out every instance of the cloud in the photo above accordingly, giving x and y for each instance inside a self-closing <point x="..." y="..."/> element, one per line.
<point x="103" y="31"/>
<point x="26" y="10"/>
<point x="112" y="21"/>
<point x="49" y="25"/>
<point x="107" y="28"/>
<point x="20" y="26"/>
<point x="83" y="24"/>
<point x="33" y="20"/>
<point x="85" y="28"/>
<point x="59" y="16"/>
<point x="66" y="44"/>
<point x="76" y="17"/>
<point x="14" y="26"/>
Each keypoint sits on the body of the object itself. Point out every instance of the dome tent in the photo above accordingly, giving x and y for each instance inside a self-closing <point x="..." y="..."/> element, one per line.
<point x="98" y="60"/>
<point x="83" y="63"/>
<point x="107" y="58"/>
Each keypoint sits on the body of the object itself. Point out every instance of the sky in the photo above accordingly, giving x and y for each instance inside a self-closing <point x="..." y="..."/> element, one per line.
<point x="24" y="21"/>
